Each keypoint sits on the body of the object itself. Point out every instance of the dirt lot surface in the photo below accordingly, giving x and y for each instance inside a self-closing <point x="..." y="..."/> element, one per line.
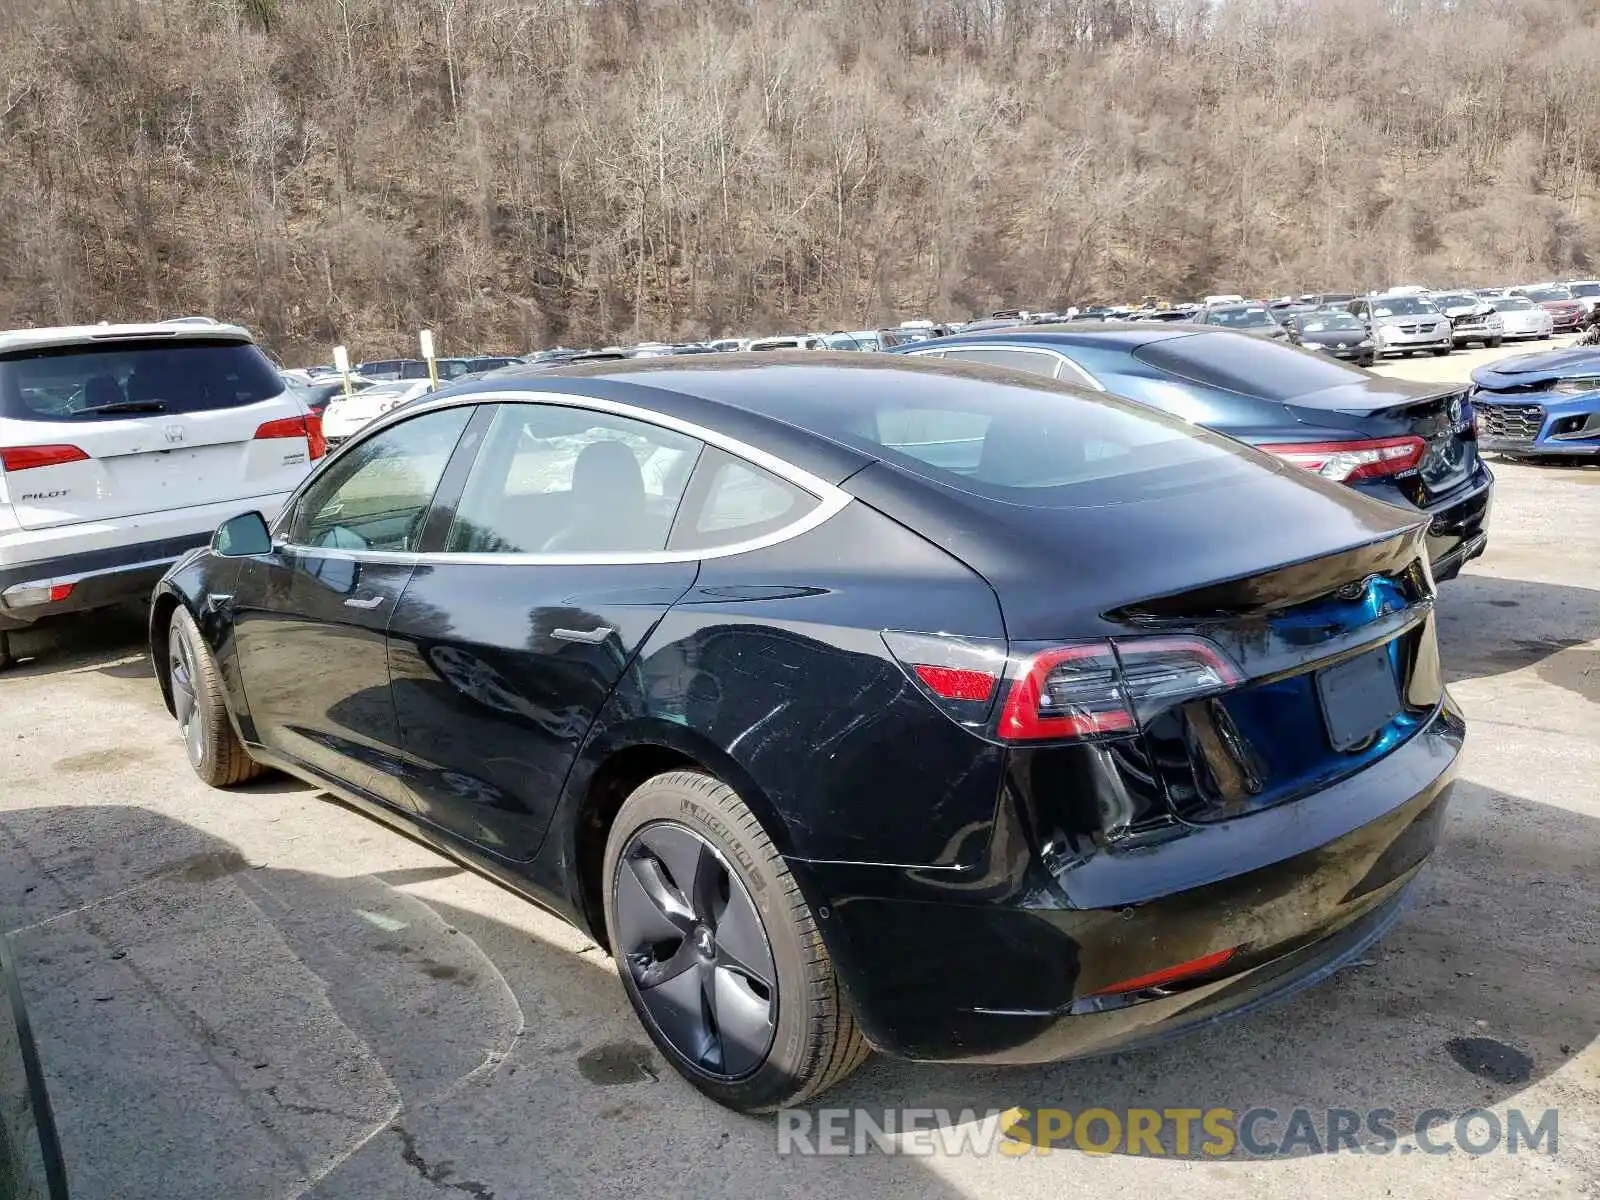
<point x="262" y="994"/>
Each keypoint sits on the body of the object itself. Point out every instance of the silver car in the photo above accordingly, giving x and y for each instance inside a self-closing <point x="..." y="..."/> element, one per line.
<point x="1472" y="318"/>
<point x="1404" y="324"/>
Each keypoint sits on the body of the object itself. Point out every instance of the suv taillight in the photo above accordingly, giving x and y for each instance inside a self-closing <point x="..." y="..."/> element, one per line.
<point x="308" y="427"/>
<point x="1066" y="692"/>
<point x="1346" y="462"/>
<point x="25" y="458"/>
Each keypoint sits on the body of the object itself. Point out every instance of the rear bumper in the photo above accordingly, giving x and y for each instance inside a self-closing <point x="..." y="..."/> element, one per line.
<point x="98" y="564"/>
<point x="1294" y="891"/>
<point x="81" y="582"/>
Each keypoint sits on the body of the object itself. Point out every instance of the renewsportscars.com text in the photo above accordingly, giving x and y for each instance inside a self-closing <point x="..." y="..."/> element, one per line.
<point x="1168" y="1132"/>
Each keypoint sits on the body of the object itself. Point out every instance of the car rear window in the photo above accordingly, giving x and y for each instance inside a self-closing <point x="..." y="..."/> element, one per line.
<point x="1046" y="445"/>
<point x="130" y="378"/>
<point x="1247" y="365"/>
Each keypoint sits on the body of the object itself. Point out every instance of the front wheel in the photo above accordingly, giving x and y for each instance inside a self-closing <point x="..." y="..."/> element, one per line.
<point x="1441" y="351"/>
<point x="717" y="950"/>
<point x="1492" y="344"/>
<point x="214" y="750"/>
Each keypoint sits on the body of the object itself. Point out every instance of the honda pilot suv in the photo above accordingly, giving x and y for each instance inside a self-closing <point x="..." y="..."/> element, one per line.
<point x="122" y="447"/>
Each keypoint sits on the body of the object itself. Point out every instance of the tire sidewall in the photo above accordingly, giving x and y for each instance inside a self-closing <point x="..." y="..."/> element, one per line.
<point x="183" y="626"/>
<point x="674" y="798"/>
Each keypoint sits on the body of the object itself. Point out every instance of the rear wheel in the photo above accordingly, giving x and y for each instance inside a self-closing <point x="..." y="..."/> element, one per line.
<point x="214" y="750"/>
<point x="718" y="951"/>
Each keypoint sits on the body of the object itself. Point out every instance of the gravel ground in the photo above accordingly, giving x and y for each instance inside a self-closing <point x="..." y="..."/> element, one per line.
<point x="264" y="994"/>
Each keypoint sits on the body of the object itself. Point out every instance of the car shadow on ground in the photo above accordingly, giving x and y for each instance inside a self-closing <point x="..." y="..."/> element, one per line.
<point x="1489" y="625"/>
<point x="112" y="641"/>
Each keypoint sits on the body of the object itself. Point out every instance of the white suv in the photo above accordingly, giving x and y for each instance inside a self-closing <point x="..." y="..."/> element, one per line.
<point x="123" y="446"/>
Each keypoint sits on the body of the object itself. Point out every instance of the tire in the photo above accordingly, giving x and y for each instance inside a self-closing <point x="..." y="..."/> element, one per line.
<point x="7" y="661"/>
<point x="1492" y="344"/>
<point x="1441" y="351"/>
<point x="214" y="750"/>
<point x="673" y="957"/>
<point x="1407" y="353"/>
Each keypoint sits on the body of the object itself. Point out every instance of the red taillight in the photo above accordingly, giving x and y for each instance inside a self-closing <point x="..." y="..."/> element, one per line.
<point x="1098" y="687"/>
<point x="315" y="438"/>
<point x="1164" y="978"/>
<point x="1073" y="691"/>
<point x="60" y="592"/>
<point x="25" y="458"/>
<point x="309" y="428"/>
<point x="1346" y="462"/>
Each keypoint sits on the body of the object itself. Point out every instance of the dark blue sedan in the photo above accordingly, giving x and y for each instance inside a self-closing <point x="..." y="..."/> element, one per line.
<point x="1411" y="444"/>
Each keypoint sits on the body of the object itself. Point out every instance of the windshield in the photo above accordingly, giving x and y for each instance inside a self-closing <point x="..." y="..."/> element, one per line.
<point x="1513" y="304"/>
<point x="1584" y="289"/>
<point x="1401" y="306"/>
<point x="1251" y="366"/>
<point x="1318" y="322"/>
<point x="1545" y="294"/>
<point x="159" y="375"/>
<point x="1456" y="300"/>
<point x="1240" y="318"/>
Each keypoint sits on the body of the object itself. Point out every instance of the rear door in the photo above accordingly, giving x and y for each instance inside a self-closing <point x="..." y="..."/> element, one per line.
<point x="310" y="618"/>
<point x="117" y="428"/>
<point x="549" y="575"/>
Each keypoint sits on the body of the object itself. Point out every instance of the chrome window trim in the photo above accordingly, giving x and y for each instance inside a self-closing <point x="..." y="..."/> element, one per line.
<point x="1084" y="378"/>
<point x="830" y="499"/>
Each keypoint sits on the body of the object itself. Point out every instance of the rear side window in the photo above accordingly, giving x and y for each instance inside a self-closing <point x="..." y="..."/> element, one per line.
<point x="1035" y="362"/>
<point x="557" y="480"/>
<point x="1253" y="367"/>
<point x="732" y="501"/>
<point x="130" y="378"/>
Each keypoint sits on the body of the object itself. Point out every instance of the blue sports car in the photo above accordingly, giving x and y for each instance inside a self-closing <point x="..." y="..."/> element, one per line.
<point x="1410" y="444"/>
<point x="1545" y="403"/>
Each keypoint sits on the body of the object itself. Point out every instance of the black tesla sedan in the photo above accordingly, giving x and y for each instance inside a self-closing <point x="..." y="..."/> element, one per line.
<point x="851" y="701"/>
<point x="1411" y="444"/>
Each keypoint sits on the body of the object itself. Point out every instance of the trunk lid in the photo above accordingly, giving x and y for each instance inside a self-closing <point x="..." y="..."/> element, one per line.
<point x="1442" y="418"/>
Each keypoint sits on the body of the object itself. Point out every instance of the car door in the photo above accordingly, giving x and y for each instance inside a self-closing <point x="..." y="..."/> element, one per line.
<point x="528" y="608"/>
<point x="310" y="618"/>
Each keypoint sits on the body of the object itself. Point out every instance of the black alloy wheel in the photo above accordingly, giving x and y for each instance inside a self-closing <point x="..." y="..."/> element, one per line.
<point x="695" y="948"/>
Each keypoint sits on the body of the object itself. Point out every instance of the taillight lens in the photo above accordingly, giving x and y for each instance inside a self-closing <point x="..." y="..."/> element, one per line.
<point x="1346" y="462"/>
<point x="1056" y="693"/>
<point x="25" y="458"/>
<point x="308" y="427"/>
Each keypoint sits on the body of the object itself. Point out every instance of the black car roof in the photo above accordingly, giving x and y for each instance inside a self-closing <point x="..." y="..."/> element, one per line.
<point x="770" y="399"/>
<point x="1130" y="334"/>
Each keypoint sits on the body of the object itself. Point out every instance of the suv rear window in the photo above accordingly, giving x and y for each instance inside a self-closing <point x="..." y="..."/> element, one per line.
<point x="1248" y="365"/>
<point x="134" y="377"/>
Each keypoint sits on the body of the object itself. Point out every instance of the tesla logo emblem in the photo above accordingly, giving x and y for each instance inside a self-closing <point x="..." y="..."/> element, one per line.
<point x="173" y="433"/>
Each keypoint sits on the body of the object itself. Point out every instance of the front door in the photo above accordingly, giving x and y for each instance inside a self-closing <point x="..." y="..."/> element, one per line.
<point x="529" y="612"/>
<point x="311" y="617"/>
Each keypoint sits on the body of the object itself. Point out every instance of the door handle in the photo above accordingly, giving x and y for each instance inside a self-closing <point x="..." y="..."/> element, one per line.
<point x="369" y="602"/>
<point x="589" y="637"/>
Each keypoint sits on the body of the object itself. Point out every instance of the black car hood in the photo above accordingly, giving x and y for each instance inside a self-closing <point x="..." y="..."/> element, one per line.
<point x="1521" y="370"/>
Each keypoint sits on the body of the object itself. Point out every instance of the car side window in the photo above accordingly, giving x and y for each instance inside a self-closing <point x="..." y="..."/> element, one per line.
<point x="733" y="501"/>
<point x="376" y="494"/>
<point x="1070" y="372"/>
<point x="552" y="479"/>
<point x="1035" y="362"/>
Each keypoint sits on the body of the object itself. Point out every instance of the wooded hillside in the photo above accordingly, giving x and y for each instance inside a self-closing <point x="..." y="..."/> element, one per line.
<point x="515" y="173"/>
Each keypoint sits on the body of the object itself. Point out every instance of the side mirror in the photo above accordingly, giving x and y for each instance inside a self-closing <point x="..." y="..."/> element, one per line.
<point x="242" y="536"/>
